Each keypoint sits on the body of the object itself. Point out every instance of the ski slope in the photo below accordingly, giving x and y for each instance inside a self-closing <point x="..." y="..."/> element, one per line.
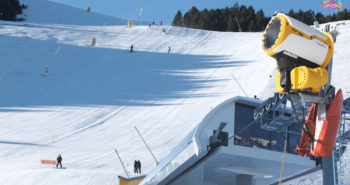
<point x="93" y="97"/>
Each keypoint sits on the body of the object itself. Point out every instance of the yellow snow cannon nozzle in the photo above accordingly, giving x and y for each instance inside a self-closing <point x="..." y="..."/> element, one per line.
<point x="284" y="33"/>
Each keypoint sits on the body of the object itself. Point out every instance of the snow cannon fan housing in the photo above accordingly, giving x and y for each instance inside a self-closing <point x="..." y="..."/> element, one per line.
<point x="302" y="54"/>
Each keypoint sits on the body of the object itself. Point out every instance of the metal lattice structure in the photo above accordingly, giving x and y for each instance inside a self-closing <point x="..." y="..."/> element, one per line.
<point x="275" y="115"/>
<point x="343" y="138"/>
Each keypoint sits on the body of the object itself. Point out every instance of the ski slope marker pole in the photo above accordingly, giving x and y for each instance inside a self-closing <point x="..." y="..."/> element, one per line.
<point x="121" y="162"/>
<point x="239" y="85"/>
<point x="284" y="157"/>
<point x="147" y="146"/>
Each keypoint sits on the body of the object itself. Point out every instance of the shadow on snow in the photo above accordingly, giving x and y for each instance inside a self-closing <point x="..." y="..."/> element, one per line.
<point x="99" y="76"/>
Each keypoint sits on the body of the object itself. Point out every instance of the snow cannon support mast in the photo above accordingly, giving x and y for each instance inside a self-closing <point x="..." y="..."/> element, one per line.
<point x="304" y="59"/>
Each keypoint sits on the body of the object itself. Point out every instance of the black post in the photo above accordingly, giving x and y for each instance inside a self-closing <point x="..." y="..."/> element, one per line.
<point x="328" y="170"/>
<point x="126" y="172"/>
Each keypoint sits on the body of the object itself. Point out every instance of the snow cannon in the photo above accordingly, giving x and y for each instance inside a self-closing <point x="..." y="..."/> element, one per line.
<point x="302" y="54"/>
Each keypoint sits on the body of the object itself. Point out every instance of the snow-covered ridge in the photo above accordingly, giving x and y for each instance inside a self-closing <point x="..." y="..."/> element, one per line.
<point x="48" y="12"/>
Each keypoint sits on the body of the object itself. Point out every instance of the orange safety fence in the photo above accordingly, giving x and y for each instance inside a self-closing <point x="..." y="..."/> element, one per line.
<point x="53" y="162"/>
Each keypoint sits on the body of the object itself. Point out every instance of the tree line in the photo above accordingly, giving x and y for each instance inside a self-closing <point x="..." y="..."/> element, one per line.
<point x="9" y="9"/>
<point x="241" y="17"/>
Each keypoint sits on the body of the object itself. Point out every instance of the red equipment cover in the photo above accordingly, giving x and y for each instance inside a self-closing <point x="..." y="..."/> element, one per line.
<point x="305" y="141"/>
<point x="328" y="134"/>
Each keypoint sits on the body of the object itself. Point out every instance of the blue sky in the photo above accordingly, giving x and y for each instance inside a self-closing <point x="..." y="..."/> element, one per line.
<point x="165" y="10"/>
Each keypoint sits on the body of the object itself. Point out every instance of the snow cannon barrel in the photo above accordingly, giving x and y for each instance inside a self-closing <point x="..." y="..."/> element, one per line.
<point x="294" y="44"/>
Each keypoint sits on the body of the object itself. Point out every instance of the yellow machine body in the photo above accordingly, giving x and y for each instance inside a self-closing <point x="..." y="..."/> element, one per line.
<point x="305" y="79"/>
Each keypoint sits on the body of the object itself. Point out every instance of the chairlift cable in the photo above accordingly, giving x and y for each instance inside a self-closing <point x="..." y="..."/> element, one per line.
<point x="303" y="113"/>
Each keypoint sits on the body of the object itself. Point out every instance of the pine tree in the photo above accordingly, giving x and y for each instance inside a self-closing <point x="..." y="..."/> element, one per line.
<point x="9" y="9"/>
<point x="178" y="19"/>
<point x="249" y="20"/>
<point x="226" y="15"/>
<point x="230" y="24"/>
<point x="219" y="25"/>
<point x="320" y="18"/>
<point x="203" y="22"/>
<point x="260" y="20"/>
<point x="191" y="18"/>
<point x="251" y="26"/>
<point x="291" y="13"/>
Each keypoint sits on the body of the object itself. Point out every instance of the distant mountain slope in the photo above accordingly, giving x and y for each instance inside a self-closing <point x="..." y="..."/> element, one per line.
<point x="47" y="12"/>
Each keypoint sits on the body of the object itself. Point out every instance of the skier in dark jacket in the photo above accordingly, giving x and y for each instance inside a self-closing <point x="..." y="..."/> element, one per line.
<point x="135" y="166"/>
<point x="59" y="161"/>
<point x="131" y="48"/>
<point x="139" y="166"/>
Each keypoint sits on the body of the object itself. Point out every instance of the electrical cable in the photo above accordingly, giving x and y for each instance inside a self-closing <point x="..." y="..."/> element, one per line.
<point x="306" y="130"/>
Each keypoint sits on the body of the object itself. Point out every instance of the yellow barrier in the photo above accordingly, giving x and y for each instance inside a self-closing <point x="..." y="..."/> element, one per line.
<point x="130" y="181"/>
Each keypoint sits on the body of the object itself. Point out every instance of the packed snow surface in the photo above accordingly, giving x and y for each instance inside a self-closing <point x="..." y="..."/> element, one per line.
<point x="93" y="97"/>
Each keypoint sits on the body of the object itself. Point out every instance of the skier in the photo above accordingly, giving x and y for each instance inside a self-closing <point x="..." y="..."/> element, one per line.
<point x="139" y="166"/>
<point x="135" y="166"/>
<point x="169" y="49"/>
<point x="131" y="48"/>
<point x="46" y="73"/>
<point x="59" y="161"/>
<point x="161" y="23"/>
